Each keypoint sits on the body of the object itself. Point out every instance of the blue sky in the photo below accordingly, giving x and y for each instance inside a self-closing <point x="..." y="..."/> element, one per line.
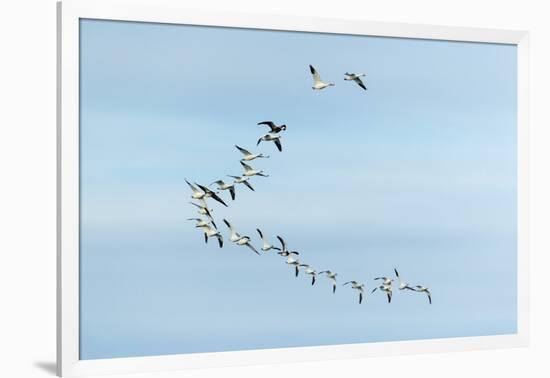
<point x="417" y="173"/>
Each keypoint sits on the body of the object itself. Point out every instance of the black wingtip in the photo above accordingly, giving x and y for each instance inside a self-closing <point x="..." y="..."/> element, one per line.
<point x="311" y="69"/>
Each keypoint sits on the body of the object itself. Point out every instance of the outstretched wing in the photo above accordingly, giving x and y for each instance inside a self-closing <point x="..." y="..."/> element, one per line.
<point x="246" y="166"/>
<point x="315" y="74"/>
<point x="193" y="188"/>
<point x="271" y="125"/>
<point x="278" y="144"/>
<point x="232" y="192"/>
<point x="244" y="152"/>
<point x="360" y="83"/>
<point x="260" y="232"/>
<point x="283" y="244"/>
<point x="252" y="248"/>
<point x="248" y="185"/>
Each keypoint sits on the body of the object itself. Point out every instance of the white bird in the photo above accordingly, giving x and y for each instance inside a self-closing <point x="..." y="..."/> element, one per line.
<point x="275" y="138"/>
<point x="318" y="84"/>
<point x="402" y="284"/>
<point x="248" y="156"/>
<point x="331" y="276"/>
<point x="266" y="246"/>
<point x="386" y="281"/>
<point x="356" y="78"/>
<point x="422" y="289"/>
<point x="292" y="260"/>
<point x="359" y="287"/>
<point x="249" y="171"/>
<point x="234" y="235"/>
<point x="284" y="251"/>
<point x="386" y="289"/>
<point x="201" y="222"/>
<point x="242" y="180"/>
<point x="274" y="128"/>
<point x="211" y="232"/>
<point x="204" y="210"/>
<point x="312" y="272"/>
<point x="204" y="193"/>
<point x="223" y="186"/>
<point x="245" y="240"/>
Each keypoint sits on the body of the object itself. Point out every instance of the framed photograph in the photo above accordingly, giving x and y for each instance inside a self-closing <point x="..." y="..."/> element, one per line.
<point x="238" y="188"/>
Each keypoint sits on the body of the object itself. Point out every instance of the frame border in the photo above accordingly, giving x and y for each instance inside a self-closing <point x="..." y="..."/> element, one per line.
<point x="69" y="12"/>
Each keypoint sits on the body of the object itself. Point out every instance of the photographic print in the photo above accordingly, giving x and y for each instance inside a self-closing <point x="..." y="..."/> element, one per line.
<point x="250" y="189"/>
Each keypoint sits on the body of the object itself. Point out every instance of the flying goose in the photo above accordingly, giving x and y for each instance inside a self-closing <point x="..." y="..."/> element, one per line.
<point x="248" y="156"/>
<point x="274" y="128"/>
<point x="223" y="186"/>
<point x="197" y="194"/>
<point x="402" y="284"/>
<point x="201" y="222"/>
<point x="242" y="180"/>
<point x="386" y="281"/>
<point x="331" y="276"/>
<point x="249" y="171"/>
<point x="358" y="287"/>
<point x="309" y="270"/>
<point x="422" y="289"/>
<point x="318" y="84"/>
<point x="284" y="251"/>
<point x="356" y="78"/>
<point x="275" y="138"/>
<point x="211" y="232"/>
<point x="204" y="210"/>
<point x="266" y="247"/>
<point x="245" y="240"/>
<point x="291" y="260"/>
<point x="234" y="235"/>
<point x="210" y="194"/>
<point x="386" y="289"/>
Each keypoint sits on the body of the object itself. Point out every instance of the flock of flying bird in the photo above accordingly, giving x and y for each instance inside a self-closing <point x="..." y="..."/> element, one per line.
<point x="210" y="229"/>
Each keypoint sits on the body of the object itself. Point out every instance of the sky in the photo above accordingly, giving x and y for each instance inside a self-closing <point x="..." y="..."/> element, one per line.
<point x="417" y="173"/>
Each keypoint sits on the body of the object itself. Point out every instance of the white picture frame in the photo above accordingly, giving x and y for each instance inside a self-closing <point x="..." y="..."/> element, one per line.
<point x="69" y="14"/>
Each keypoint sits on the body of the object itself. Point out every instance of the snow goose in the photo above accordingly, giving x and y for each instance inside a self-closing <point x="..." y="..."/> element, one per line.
<point x="385" y="280"/>
<point x="402" y="284"/>
<point x="210" y="194"/>
<point x="318" y="84"/>
<point x="201" y="222"/>
<point x="234" y="235"/>
<point x="332" y="277"/>
<point x="249" y="171"/>
<point x="386" y="289"/>
<point x="292" y="260"/>
<point x="245" y="240"/>
<point x="242" y="180"/>
<point x="223" y="186"/>
<point x="266" y="246"/>
<point x="248" y="156"/>
<point x="422" y="289"/>
<point x="211" y="232"/>
<point x="275" y="138"/>
<point x="284" y="251"/>
<point x="359" y="287"/>
<point x="310" y="271"/>
<point x="356" y="78"/>
<point x="204" y="210"/>
<point x="274" y="128"/>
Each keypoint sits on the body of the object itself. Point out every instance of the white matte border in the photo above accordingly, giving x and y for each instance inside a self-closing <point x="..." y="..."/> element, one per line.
<point x="169" y="11"/>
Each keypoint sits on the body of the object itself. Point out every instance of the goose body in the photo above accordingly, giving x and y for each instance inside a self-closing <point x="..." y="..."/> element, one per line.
<point x="223" y="186"/>
<point x="270" y="137"/>
<point x="422" y="289"/>
<point x="248" y="156"/>
<point x="245" y="240"/>
<point x="201" y="222"/>
<point x="386" y="289"/>
<point x="234" y="235"/>
<point x="242" y="180"/>
<point x="310" y="271"/>
<point x="211" y="232"/>
<point x="204" y="210"/>
<point x="332" y="277"/>
<point x="318" y="84"/>
<point x="292" y="260"/>
<point x="357" y="286"/>
<point x="249" y="171"/>
<point x="204" y="193"/>
<point x="356" y="78"/>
